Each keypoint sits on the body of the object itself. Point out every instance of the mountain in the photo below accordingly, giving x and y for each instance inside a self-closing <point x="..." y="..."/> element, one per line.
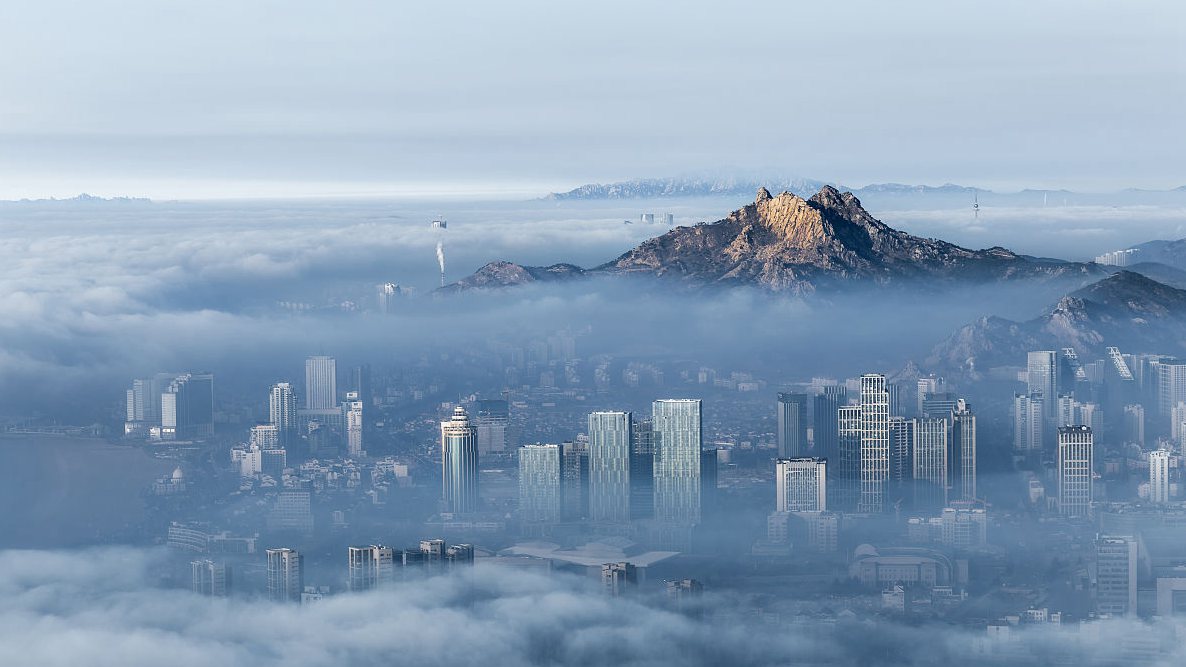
<point x="796" y="245"/>
<point x="82" y="198"/>
<point x="658" y="188"/>
<point x="655" y="188"/>
<point x="508" y="274"/>
<point x="1126" y="309"/>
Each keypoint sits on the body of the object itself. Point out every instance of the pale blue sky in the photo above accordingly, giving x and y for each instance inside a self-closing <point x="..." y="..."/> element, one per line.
<point x="226" y="98"/>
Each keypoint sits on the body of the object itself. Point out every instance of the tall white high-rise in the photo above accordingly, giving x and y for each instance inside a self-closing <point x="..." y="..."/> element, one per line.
<point x="282" y="409"/>
<point x="1075" y="459"/>
<point x="459" y="463"/>
<point x="609" y="466"/>
<point x="1159" y="476"/>
<point x="875" y="446"/>
<point x="353" y="409"/>
<point x="286" y="579"/>
<point x="540" y="487"/>
<point x="800" y="485"/>
<point x="321" y="383"/>
<point x="1171" y="385"/>
<point x="1178" y="423"/>
<point x="677" y="432"/>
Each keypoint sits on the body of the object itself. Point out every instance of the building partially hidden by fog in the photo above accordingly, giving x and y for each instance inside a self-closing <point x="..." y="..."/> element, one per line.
<point x="286" y="576"/>
<point x="492" y="425"/>
<point x="282" y="410"/>
<point x="211" y="578"/>
<point x="801" y="485"/>
<point x="677" y="428"/>
<point x="187" y="407"/>
<point x="1116" y="575"/>
<point x="792" y="425"/>
<point x="459" y="463"/>
<point x="609" y="466"/>
<point x="321" y="383"/>
<point x="541" y="490"/>
<point x="369" y="566"/>
<point x="1076" y="458"/>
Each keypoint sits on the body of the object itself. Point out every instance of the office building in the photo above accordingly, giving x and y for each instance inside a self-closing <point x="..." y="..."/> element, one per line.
<point x="939" y="405"/>
<point x="642" y="470"/>
<point x="1041" y="378"/>
<point x="1159" y="476"/>
<point x="825" y="421"/>
<point x="677" y="429"/>
<point x="1134" y="423"/>
<point x="369" y="566"/>
<point x="875" y="447"/>
<point x="1075" y="461"/>
<point x="321" y="383"/>
<point x="801" y="485"/>
<point x="286" y="577"/>
<point x="353" y="410"/>
<point x="187" y="407"/>
<point x="1171" y="385"/>
<point x="963" y="527"/>
<point x="1116" y="575"/>
<point x="282" y="410"/>
<point x="144" y="402"/>
<point x="848" y="472"/>
<point x="292" y="512"/>
<point x="792" y="425"/>
<point x="931" y="464"/>
<point x="575" y="473"/>
<point x="459" y="463"/>
<point x="540" y="486"/>
<point x="1028" y="425"/>
<point x="609" y="466"/>
<point x="210" y="578"/>
<point x="927" y="386"/>
<point x="961" y="469"/>
<point x="492" y="423"/>
<point x="901" y="432"/>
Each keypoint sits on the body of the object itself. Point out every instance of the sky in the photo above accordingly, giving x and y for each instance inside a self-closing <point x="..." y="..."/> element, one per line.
<point x="510" y="99"/>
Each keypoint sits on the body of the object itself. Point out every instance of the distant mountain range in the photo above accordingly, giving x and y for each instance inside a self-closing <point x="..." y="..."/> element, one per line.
<point x="82" y="198"/>
<point x="655" y="188"/>
<point x="1125" y="309"/>
<point x="789" y="244"/>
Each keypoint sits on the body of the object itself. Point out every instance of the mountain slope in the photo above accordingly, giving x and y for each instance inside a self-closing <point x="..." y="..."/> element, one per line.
<point x="1126" y="309"/>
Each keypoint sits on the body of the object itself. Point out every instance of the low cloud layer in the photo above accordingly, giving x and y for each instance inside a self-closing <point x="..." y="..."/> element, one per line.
<point x="101" y="607"/>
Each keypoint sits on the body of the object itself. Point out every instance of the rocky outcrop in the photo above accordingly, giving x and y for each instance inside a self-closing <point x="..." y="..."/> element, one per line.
<point x="508" y="274"/>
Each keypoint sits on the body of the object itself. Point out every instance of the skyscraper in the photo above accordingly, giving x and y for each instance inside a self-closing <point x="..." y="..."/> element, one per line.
<point x="1028" y="425"/>
<point x="540" y="486"/>
<point x="875" y="449"/>
<point x="1171" y="385"/>
<point x="848" y="472"/>
<point x="282" y="410"/>
<point x="321" y="383"/>
<point x="927" y="385"/>
<point x="1075" y="460"/>
<point x="642" y="470"/>
<point x="360" y="382"/>
<point x="901" y="432"/>
<point x="825" y="407"/>
<point x="575" y="479"/>
<point x="1134" y="423"/>
<point x="1041" y="378"/>
<point x="609" y="466"/>
<point x="1159" y="476"/>
<point x="286" y="578"/>
<point x="962" y="461"/>
<point x="801" y="485"/>
<point x="187" y="407"/>
<point x="1116" y="575"/>
<point x="492" y="421"/>
<point x="353" y="410"/>
<point x="459" y="463"/>
<point x="792" y="425"/>
<point x="931" y="465"/>
<point x="677" y="427"/>
<point x="369" y="566"/>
